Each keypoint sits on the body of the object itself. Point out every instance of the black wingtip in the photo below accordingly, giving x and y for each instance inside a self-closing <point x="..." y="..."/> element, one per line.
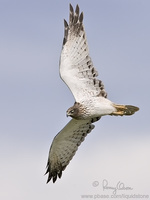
<point x="71" y="8"/>
<point x="77" y="9"/>
<point x="54" y="176"/>
<point x="54" y="173"/>
<point x="81" y="18"/>
<point x="65" y="23"/>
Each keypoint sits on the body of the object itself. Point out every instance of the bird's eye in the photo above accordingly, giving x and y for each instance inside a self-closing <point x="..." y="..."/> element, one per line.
<point x="72" y="111"/>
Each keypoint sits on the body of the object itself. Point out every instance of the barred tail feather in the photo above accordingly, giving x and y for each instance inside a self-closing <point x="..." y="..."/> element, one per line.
<point x="124" y="110"/>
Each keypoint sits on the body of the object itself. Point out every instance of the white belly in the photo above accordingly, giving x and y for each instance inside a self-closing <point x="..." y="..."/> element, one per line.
<point x="99" y="106"/>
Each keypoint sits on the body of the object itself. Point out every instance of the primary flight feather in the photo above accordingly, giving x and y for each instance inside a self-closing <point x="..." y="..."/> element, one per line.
<point x="79" y="74"/>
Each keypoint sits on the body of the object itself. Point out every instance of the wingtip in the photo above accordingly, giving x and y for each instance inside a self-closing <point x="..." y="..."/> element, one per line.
<point x="53" y="173"/>
<point x="81" y="17"/>
<point x="53" y="177"/>
<point x="77" y="10"/>
<point x="71" y="7"/>
<point x="65" y="23"/>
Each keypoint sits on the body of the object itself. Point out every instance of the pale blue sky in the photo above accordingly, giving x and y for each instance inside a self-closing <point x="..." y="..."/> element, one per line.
<point x="34" y="100"/>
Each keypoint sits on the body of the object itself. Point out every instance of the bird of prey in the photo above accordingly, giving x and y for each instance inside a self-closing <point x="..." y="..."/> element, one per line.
<point x="79" y="74"/>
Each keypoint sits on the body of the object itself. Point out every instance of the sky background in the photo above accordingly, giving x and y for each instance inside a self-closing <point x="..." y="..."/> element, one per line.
<point x="34" y="100"/>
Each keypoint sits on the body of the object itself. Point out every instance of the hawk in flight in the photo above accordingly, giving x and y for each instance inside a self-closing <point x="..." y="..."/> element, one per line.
<point x="79" y="74"/>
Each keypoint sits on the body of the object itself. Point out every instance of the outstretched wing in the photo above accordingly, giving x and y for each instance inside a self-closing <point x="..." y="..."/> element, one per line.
<point x="65" y="145"/>
<point x="76" y="67"/>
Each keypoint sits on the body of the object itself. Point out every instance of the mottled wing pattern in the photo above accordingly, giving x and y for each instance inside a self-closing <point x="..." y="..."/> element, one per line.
<point x="65" y="145"/>
<point x="76" y="67"/>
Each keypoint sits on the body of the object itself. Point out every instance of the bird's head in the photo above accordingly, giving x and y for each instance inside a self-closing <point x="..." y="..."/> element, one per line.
<point x="77" y="111"/>
<point x="73" y="112"/>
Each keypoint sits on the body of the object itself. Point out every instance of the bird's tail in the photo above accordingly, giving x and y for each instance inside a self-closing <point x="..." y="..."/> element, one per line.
<point x="124" y="110"/>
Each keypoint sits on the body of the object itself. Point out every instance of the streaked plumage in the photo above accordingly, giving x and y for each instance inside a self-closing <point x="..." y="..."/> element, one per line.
<point x="79" y="74"/>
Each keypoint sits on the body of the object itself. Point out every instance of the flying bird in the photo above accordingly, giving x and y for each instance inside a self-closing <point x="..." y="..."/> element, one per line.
<point x="79" y="74"/>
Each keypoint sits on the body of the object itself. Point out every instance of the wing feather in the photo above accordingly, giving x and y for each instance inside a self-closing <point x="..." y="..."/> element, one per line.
<point x="76" y="66"/>
<point x="65" y="145"/>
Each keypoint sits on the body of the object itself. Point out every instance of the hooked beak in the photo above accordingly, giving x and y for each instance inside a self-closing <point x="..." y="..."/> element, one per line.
<point x="67" y="114"/>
